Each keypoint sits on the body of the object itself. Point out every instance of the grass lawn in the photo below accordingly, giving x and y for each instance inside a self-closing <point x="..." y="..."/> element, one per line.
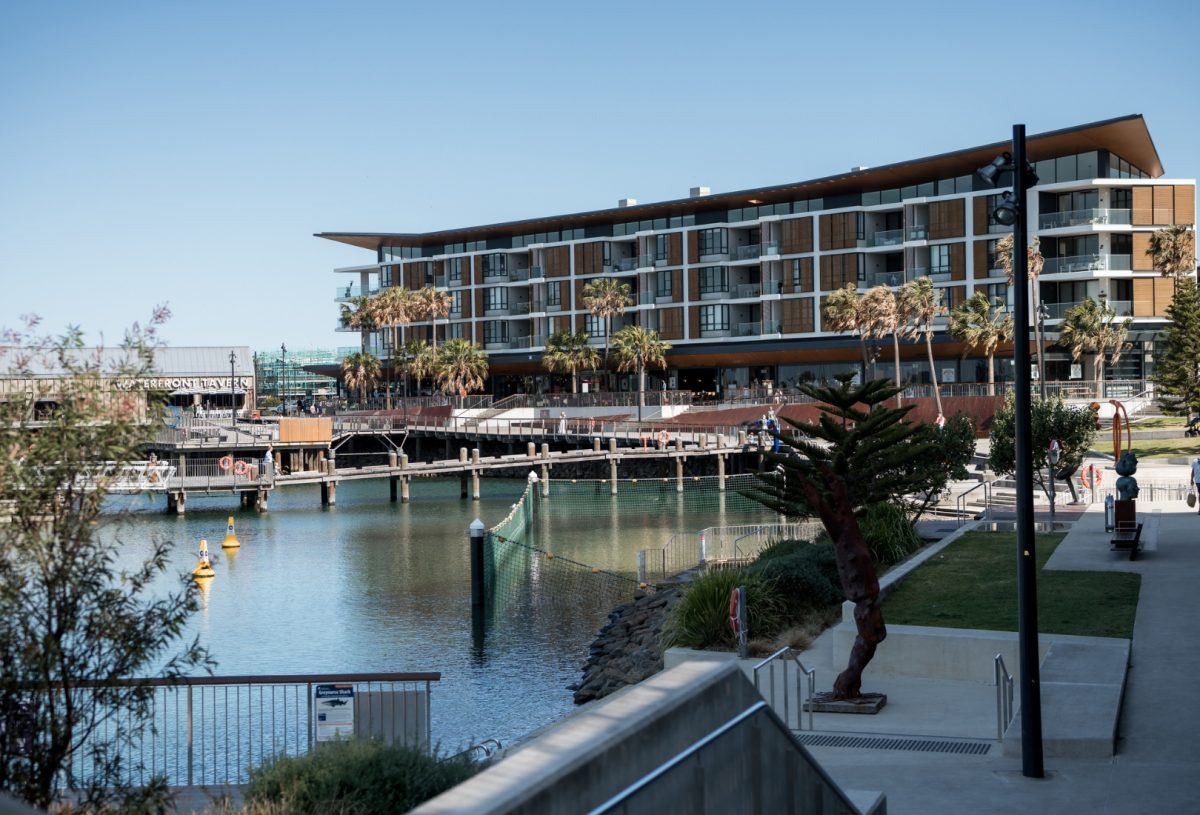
<point x="1162" y="448"/>
<point x="972" y="583"/>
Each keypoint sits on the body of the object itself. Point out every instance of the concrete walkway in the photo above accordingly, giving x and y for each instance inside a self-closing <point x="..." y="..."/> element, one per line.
<point x="1158" y="754"/>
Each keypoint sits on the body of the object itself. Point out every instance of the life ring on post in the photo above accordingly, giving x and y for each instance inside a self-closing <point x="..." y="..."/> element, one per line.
<point x="1091" y="475"/>
<point x="733" y="612"/>
<point x="663" y="438"/>
<point x="226" y="463"/>
<point x="240" y="468"/>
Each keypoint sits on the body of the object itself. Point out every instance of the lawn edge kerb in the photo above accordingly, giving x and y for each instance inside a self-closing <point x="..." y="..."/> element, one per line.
<point x="1066" y="599"/>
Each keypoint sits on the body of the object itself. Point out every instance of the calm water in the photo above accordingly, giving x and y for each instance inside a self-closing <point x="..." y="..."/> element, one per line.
<point x="374" y="586"/>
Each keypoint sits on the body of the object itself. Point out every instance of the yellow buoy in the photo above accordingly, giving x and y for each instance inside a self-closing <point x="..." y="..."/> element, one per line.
<point x="231" y="541"/>
<point x="203" y="565"/>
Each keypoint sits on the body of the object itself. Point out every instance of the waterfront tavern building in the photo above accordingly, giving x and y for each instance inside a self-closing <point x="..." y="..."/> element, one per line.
<point x="736" y="281"/>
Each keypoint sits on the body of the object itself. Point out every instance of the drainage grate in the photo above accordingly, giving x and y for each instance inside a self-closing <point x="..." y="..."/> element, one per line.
<point x="970" y="748"/>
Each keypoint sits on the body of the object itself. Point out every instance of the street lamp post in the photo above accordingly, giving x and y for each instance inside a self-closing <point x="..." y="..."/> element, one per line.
<point x="1013" y="211"/>
<point x="232" y="390"/>
<point x="283" y="377"/>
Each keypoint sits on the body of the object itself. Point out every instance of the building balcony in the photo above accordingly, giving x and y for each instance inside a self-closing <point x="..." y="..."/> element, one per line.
<point x="625" y="264"/>
<point x="518" y="309"/>
<point x="714" y="333"/>
<point x="537" y="306"/>
<point x="518" y="275"/>
<point x="743" y="291"/>
<point x="532" y="341"/>
<point x="495" y="274"/>
<point x="440" y="281"/>
<point x="496" y="345"/>
<point x="772" y="287"/>
<point x="1084" y="217"/>
<point x="770" y="249"/>
<point x="714" y="294"/>
<point x="537" y="272"/>
<point x="1087" y="263"/>
<point x="889" y="237"/>
<point x="1056" y="311"/>
<point x="758" y="329"/>
<point x="886" y="279"/>
<point x="750" y="252"/>
<point x="917" y="232"/>
<point x="646" y="262"/>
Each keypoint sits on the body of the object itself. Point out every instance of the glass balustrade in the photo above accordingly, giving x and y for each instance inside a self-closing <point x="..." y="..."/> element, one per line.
<point x="1083" y="217"/>
<point x="889" y="237"/>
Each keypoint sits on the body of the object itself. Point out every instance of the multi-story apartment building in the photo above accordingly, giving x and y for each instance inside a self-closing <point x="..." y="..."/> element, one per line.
<point x="736" y="281"/>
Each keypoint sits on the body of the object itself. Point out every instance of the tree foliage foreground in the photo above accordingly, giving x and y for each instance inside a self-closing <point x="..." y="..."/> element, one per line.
<point x="76" y="617"/>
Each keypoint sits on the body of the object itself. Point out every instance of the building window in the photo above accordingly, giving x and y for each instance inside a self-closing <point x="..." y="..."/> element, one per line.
<point x="662" y="284"/>
<point x="714" y="318"/>
<point x="493" y="265"/>
<point x="456" y="302"/>
<point x="714" y="279"/>
<point x="662" y="247"/>
<point x="495" y="299"/>
<point x="595" y="325"/>
<point x="713" y="242"/>
<point x="939" y="259"/>
<point x="495" y="331"/>
<point x="607" y="254"/>
<point x="554" y="293"/>
<point x="454" y="270"/>
<point x="997" y="294"/>
<point x="456" y="331"/>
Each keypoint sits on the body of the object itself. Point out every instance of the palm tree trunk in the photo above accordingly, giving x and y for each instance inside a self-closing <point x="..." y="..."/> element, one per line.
<point x="1099" y="369"/>
<point x="991" y="373"/>
<point x="932" y="370"/>
<point x="574" y="381"/>
<point x="862" y="343"/>
<point x="896" y="353"/>
<point x="641" y="386"/>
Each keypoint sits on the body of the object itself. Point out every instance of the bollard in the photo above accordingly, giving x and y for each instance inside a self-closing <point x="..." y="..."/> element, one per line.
<point x="462" y="455"/>
<point x="679" y="474"/>
<point x="612" y="473"/>
<point x="404" y="461"/>
<point x="678" y="445"/>
<point x="532" y="448"/>
<point x="545" y="480"/>
<point x="612" y="445"/>
<point x="392" y="458"/>
<point x="721" y="472"/>
<point x="474" y="485"/>
<point x="596" y="445"/>
<point x="404" y="489"/>
<point x="474" y="455"/>
<point x="545" y="450"/>
<point x="475" y="533"/>
<point x="741" y="438"/>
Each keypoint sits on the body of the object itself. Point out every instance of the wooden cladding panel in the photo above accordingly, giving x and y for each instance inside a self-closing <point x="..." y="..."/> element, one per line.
<point x="675" y="249"/>
<point x="946" y="219"/>
<point x="1143" y="206"/>
<point x="958" y="261"/>
<point x="797" y="317"/>
<point x="466" y="303"/>
<point x="478" y="270"/>
<point x="579" y="284"/>
<point x="557" y="260"/>
<point x="980" y="261"/>
<point x="795" y="236"/>
<point x="979" y="215"/>
<point x="677" y="286"/>
<point x="589" y="258"/>
<point x="693" y="253"/>
<point x="797" y="275"/>
<point x="838" y="270"/>
<point x="670" y="323"/>
<point x="1185" y="204"/>
<point x="694" y="322"/>
<point x="1164" y="292"/>
<point x="839" y="231"/>
<point x="479" y="301"/>
<point x="1164" y="205"/>
<point x="1142" y="261"/>
<point x="694" y="285"/>
<point x="1143" y="297"/>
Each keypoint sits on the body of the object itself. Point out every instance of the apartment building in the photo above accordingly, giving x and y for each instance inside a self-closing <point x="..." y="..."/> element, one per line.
<point x="736" y="281"/>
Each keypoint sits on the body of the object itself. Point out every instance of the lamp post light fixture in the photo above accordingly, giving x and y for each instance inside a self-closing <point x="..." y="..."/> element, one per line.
<point x="1013" y="206"/>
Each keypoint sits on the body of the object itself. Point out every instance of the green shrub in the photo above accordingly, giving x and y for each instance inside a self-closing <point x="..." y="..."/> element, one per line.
<point x="889" y="533"/>
<point x="701" y="620"/>
<point x="805" y="576"/>
<point x="365" y="777"/>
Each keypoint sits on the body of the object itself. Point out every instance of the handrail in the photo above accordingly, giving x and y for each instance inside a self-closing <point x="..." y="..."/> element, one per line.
<point x="1004" y="697"/>
<point x="791" y="654"/>
<point x="487" y="747"/>
<point x="960" y="503"/>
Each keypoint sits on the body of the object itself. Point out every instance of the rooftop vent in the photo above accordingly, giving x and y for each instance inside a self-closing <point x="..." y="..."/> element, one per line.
<point x="627" y="202"/>
<point x="699" y="192"/>
<point x="860" y="168"/>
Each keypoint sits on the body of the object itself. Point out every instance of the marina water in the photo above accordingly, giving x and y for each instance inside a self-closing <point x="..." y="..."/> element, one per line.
<point x="373" y="586"/>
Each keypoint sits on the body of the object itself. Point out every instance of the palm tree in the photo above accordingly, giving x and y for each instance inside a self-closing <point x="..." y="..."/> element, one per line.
<point x="461" y="366"/>
<point x="1034" y="263"/>
<point x="923" y="303"/>
<point x="432" y="303"/>
<point x="420" y="360"/>
<point x="1173" y="250"/>
<point x="977" y="324"/>
<point x="361" y="312"/>
<point x="361" y="372"/>
<point x="882" y="316"/>
<point x="636" y="348"/>
<point x="393" y="307"/>
<point x="1094" y="328"/>
<point x="569" y="352"/>
<point x="607" y="297"/>
<point x="843" y="312"/>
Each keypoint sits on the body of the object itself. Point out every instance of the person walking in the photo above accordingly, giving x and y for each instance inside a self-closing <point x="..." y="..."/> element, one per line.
<point x="1195" y="480"/>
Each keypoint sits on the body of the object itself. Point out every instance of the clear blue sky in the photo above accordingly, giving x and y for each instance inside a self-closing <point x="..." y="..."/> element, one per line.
<point x="185" y="152"/>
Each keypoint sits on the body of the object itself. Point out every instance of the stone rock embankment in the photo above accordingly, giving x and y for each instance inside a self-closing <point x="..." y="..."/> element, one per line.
<point x="629" y="648"/>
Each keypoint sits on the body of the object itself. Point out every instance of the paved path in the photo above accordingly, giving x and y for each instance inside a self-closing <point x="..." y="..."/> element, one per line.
<point x="1157" y="766"/>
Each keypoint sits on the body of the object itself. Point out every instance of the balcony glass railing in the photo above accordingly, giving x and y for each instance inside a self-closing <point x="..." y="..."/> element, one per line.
<point x="772" y="287"/>
<point x="743" y="290"/>
<point x="889" y="237"/>
<point x="770" y="248"/>
<point x="518" y="308"/>
<point x="536" y="306"/>
<point x="918" y="232"/>
<point x="625" y="264"/>
<point x="746" y="252"/>
<point x="646" y="261"/>
<point x="348" y="292"/>
<point x="1056" y="311"/>
<point x="495" y="274"/>
<point x="757" y="329"/>
<point x="537" y="272"/>
<point x="1083" y="217"/>
<point x="886" y="278"/>
<point x="533" y="341"/>
<point x="646" y="298"/>
<point x="440" y="281"/>
<point x="519" y="274"/>
<point x="1086" y="263"/>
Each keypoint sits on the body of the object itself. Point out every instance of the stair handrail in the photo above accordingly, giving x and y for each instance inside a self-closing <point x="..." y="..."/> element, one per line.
<point x="960" y="503"/>
<point x="782" y="656"/>
<point x="1004" y="697"/>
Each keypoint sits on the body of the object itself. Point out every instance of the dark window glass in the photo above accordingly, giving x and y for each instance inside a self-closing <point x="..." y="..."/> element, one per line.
<point x="713" y="242"/>
<point x="714" y="279"/>
<point x="714" y="318"/>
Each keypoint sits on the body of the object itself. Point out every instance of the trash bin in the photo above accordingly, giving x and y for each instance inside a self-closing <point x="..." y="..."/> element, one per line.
<point x="1110" y="513"/>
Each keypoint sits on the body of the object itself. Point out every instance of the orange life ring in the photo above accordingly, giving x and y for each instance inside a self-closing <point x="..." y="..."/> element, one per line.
<point x="733" y="615"/>
<point x="644" y="441"/>
<point x="225" y="463"/>
<point x="240" y="468"/>
<point x="663" y="437"/>
<point x="1091" y="474"/>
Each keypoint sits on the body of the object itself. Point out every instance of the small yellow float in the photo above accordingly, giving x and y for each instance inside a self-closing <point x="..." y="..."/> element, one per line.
<point x="231" y="541"/>
<point x="204" y="564"/>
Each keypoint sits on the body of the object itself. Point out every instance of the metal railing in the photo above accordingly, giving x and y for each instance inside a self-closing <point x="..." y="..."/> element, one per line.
<point x="1081" y="217"/>
<point x="787" y="687"/>
<point x="717" y="547"/>
<point x="212" y="730"/>
<point x="1004" y="697"/>
<point x="960" y="502"/>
